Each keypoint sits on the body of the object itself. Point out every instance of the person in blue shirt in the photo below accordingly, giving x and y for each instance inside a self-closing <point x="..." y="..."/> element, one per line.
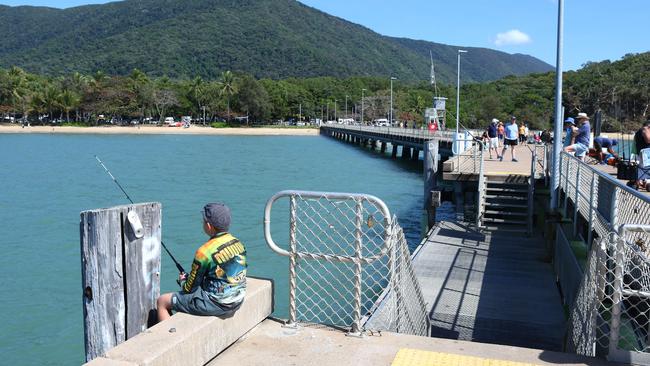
<point x="583" y="136"/>
<point x="601" y="142"/>
<point x="512" y="134"/>
<point x="569" y="123"/>
<point x="493" y="140"/>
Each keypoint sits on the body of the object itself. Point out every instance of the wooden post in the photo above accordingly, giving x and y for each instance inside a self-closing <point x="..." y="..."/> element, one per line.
<point x="120" y="271"/>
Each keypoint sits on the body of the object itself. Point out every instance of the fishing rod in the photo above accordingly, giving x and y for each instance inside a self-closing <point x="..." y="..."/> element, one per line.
<point x="178" y="265"/>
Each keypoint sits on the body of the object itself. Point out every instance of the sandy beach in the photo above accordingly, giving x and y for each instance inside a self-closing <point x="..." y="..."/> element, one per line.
<point x="156" y="130"/>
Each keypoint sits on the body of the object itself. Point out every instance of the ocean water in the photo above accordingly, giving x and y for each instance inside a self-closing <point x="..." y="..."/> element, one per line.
<point x="47" y="180"/>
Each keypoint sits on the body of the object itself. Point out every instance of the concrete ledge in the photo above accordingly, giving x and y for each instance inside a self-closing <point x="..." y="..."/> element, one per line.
<point x="193" y="340"/>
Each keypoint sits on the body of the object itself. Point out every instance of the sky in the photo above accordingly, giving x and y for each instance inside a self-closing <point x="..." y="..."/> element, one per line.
<point x="594" y="30"/>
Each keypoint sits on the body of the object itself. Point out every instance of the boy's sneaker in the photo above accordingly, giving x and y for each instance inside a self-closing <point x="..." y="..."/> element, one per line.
<point x="514" y="160"/>
<point x="500" y="158"/>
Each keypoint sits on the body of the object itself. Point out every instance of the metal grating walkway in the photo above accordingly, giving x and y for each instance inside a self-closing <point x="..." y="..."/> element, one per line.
<point x="491" y="287"/>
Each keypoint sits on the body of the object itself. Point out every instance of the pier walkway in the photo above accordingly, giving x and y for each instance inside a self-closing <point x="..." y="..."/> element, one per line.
<point x="489" y="287"/>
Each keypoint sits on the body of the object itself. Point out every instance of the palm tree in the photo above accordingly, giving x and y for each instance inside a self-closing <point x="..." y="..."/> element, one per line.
<point x="228" y="87"/>
<point x="196" y="89"/>
<point x="69" y="100"/>
<point x="50" y="99"/>
<point x="17" y="91"/>
<point x="139" y="84"/>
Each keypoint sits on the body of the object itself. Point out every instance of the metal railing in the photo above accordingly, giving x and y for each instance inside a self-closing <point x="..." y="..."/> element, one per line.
<point x="349" y="263"/>
<point x="414" y="133"/>
<point x="534" y="169"/>
<point x="603" y="201"/>
<point x="482" y="187"/>
<point x="610" y="316"/>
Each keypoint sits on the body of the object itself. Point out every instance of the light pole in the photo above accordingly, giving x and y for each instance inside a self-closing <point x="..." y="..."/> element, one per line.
<point x="390" y="120"/>
<point x="362" y="90"/>
<point x="458" y="91"/>
<point x="557" y="133"/>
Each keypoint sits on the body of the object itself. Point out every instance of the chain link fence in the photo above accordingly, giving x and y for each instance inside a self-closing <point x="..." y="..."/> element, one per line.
<point x="610" y="315"/>
<point x="349" y="264"/>
<point x="601" y="200"/>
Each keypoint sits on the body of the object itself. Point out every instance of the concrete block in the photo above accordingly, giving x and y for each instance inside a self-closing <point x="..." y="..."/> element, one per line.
<point x="193" y="340"/>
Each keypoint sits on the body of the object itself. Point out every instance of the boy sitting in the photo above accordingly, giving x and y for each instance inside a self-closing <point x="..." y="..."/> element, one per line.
<point x="216" y="284"/>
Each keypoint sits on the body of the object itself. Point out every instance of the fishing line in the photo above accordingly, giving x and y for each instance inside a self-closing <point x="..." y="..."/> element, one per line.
<point x="178" y="265"/>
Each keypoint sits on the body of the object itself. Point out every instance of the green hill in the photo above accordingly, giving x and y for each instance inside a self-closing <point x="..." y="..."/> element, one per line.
<point x="265" y="38"/>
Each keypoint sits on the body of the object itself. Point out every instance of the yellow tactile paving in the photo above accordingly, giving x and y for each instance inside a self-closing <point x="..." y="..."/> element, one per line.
<point x="415" y="357"/>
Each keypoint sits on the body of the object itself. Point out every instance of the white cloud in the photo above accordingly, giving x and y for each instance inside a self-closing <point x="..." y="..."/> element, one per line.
<point x="512" y="37"/>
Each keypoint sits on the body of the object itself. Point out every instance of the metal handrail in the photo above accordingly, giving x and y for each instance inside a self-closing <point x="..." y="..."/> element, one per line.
<point x="607" y="177"/>
<point x="480" y="211"/>
<point x="332" y="196"/>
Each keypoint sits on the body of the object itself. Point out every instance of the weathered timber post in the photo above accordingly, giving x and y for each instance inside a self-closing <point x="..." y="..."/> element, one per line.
<point x="406" y="153"/>
<point x="383" y="147"/>
<point x="120" y="272"/>
<point x="416" y="154"/>
<point x="430" y="162"/>
<point x="394" y="154"/>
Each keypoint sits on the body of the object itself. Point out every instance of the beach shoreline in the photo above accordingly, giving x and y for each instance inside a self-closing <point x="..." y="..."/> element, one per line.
<point x="158" y="130"/>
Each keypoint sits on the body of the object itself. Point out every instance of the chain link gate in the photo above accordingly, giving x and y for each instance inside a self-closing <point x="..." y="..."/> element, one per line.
<point x="611" y="313"/>
<point x="349" y="264"/>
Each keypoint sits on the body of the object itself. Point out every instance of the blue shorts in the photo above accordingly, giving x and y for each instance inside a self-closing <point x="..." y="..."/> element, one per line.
<point x="199" y="302"/>
<point x="580" y="149"/>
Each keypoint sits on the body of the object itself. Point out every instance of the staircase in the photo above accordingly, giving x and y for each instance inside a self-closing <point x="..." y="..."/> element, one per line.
<point x="507" y="207"/>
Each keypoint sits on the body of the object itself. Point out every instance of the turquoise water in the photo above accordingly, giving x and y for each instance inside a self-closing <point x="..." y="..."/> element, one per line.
<point x="47" y="180"/>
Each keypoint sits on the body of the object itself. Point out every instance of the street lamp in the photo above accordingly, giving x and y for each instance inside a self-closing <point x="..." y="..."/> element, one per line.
<point x="458" y="91"/>
<point x="557" y="132"/>
<point x="362" y="90"/>
<point x="390" y="121"/>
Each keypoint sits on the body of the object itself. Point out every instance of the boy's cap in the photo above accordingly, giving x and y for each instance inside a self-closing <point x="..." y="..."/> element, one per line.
<point x="494" y="120"/>
<point x="570" y="120"/>
<point x="218" y="215"/>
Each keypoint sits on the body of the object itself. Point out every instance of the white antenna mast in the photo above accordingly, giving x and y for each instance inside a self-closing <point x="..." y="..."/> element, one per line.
<point x="433" y="76"/>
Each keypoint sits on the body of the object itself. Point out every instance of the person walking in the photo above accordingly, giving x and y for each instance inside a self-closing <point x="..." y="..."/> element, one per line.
<point x="493" y="140"/>
<point x="500" y="132"/>
<point x="522" y="134"/>
<point x="511" y="134"/>
<point x="582" y="138"/>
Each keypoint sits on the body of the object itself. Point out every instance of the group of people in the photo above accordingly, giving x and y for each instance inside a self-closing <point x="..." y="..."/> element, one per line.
<point x="497" y="135"/>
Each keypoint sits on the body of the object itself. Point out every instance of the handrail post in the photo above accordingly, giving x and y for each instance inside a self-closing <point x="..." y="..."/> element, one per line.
<point x="566" y="188"/>
<point x="292" y="262"/>
<point x="576" y="203"/>
<point x="592" y="192"/>
<point x="617" y="295"/>
<point x="356" y="323"/>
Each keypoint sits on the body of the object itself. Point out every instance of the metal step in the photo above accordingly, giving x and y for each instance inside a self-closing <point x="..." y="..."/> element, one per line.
<point x="509" y="205"/>
<point x="516" y="198"/>
<point x="508" y="184"/>
<point x="503" y="221"/>
<point x="507" y="190"/>
<point x="502" y="229"/>
<point x="506" y="213"/>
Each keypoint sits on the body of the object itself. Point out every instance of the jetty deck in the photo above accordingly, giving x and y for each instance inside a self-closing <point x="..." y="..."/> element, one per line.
<point x="492" y="287"/>
<point x="271" y="344"/>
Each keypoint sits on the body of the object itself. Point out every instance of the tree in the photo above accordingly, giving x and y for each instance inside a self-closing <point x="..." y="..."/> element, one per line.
<point x="69" y="100"/>
<point x="228" y="88"/>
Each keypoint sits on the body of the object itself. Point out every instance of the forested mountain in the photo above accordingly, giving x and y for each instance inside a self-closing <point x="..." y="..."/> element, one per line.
<point x="265" y="38"/>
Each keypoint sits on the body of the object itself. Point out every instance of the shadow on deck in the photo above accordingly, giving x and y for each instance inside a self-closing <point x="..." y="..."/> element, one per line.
<point x="490" y="287"/>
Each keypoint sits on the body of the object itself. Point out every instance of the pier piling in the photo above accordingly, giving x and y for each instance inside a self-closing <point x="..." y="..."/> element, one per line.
<point x="120" y="271"/>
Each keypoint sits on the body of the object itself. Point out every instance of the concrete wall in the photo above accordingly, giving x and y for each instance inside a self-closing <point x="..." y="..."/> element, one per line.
<point x="193" y="340"/>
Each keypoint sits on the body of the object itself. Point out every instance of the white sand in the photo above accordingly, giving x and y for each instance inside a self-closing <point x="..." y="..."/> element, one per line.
<point x="156" y="130"/>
